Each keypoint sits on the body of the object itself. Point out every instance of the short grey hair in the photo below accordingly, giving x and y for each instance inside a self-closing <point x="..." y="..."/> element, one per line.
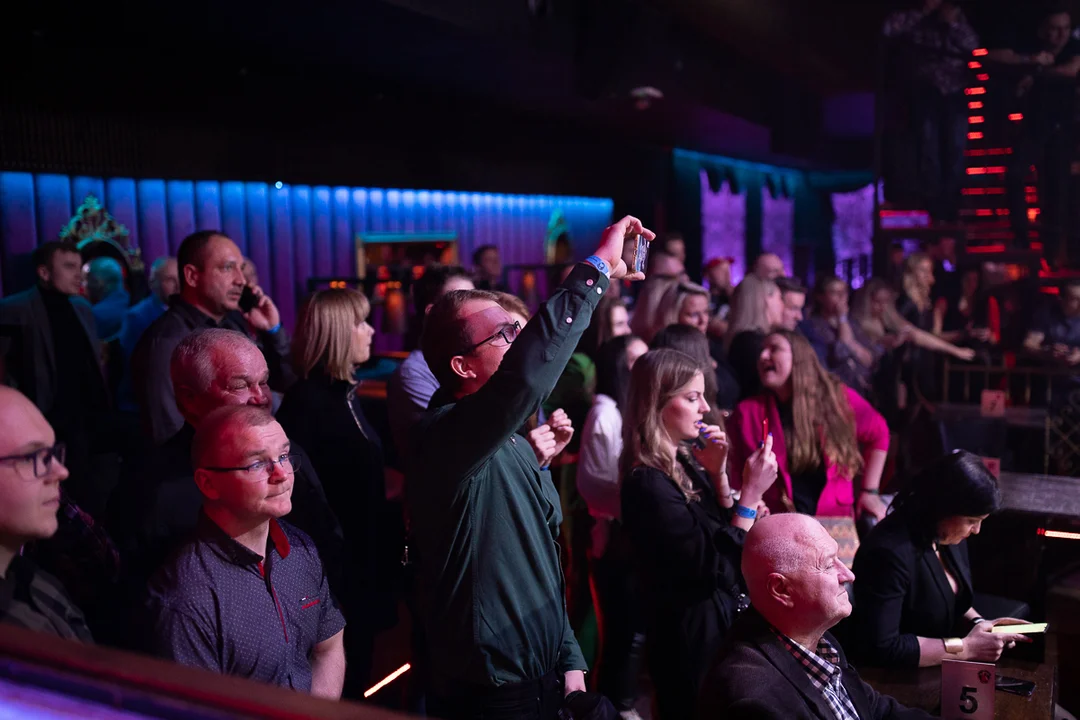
<point x="192" y="364"/>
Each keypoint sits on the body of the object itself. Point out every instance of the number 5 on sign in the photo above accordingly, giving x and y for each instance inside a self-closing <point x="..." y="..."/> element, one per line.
<point x="967" y="690"/>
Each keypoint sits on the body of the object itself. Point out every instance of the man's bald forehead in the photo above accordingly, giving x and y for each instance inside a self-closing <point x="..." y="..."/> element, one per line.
<point x="781" y="543"/>
<point x="481" y="318"/>
<point x="21" y="422"/>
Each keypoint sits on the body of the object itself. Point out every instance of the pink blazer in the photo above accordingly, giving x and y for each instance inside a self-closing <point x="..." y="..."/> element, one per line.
<point x="744" y="434"/>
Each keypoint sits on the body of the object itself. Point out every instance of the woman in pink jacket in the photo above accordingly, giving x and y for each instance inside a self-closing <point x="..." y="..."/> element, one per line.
<point x="824" y="434"/>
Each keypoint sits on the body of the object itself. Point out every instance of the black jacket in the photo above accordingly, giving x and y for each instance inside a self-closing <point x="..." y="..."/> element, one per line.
<point x="902" y="593"/>
<point x="150" y="363"/>
<point x="756" y="678"/>
<point x="688" y="556"/>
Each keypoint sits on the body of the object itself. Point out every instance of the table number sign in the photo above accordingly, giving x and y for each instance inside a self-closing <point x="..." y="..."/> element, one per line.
<point x="993" y="403"/>
<point x="994" y="466"/>
<point x="967" y="690"/>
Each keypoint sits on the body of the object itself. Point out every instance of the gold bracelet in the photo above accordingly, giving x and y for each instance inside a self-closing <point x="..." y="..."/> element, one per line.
<point x="954" y="646"/>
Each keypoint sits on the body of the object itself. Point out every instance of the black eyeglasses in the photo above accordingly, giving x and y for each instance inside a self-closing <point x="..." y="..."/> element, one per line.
<point x="508" y="334"/>
<point x="262" y="468"/>
<point x="40" y="459"/>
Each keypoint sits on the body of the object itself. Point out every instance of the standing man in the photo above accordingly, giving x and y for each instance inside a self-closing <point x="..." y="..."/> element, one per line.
<point x="782" y="663"/>
<point x="211" y="283"/>
<point x="485" y="515"/>
<point x="164" y="283"/>
<point x="49" y="342"/>
<point x="31" y="470"/>
<point x="487" y="269"/>
<point x="768" y="266"/>
<point x="106" y="292"/>
<point x="247" y="595"/>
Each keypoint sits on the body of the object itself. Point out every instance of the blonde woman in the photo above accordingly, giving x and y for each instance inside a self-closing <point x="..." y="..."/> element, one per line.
<point x="322" y="412"/>
<point x="756" y="307"/>
<point x="684" y="303"/>
<point x="684" y="524"/>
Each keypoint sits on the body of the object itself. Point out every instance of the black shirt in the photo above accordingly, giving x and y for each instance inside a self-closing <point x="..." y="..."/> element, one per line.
<point x="743" y="357"/>
<point x="78" y="378"/>
<point x="31" y="598"/>
<point x="806" y="486"/>
<point x="219" y="606"/>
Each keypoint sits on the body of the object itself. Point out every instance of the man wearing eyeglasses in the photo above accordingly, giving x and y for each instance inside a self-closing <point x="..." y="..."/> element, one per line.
<point x="212" y="282"/>
<point x="31" y="470"/>
<point x="247" y="595"/>
<point x="485" y="515"/>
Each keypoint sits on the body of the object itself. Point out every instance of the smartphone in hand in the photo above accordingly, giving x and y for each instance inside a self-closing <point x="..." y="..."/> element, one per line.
<point x="248" y="300"/>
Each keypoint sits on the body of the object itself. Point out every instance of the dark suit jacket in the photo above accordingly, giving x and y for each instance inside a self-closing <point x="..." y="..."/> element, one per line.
<point x="756" y="678"/>
<point x="902" y="593"/>
<point x="26" y="345"/>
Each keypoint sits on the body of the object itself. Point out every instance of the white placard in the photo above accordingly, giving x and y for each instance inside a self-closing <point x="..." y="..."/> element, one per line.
<point x="993" y="403"/>
<point x="967" y="690"/>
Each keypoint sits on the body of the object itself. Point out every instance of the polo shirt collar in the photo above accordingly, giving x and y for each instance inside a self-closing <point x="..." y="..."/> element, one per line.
<point x="230" y="550"/>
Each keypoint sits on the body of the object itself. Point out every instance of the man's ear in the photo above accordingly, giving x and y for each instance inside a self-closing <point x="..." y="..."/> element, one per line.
<point x="779" y="589"/>
<point x="428" y="308"/>
<point x="43" y="273"/>
<point x="189" y="274"/>
<point x="205" y="481"/>
<point x="460" y="365"/>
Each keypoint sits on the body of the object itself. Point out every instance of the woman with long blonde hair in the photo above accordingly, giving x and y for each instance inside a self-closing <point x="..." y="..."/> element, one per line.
<point x="756" y="307"/>
<point x="826" y="434"/>
<point x="322" y="413"/>
<point x="685" y="526"/>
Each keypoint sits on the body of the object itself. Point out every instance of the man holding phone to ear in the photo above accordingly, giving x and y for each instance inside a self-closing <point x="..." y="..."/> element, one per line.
<point x="213" y="293"/>
<point x="485" y="515"/>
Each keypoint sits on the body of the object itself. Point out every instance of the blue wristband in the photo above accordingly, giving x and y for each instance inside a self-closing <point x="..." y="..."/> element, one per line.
<point x="599" y="264"/>
<point x="274" y="330"/>
<point x="546" y="467"/>
<point x="745" y="512"/>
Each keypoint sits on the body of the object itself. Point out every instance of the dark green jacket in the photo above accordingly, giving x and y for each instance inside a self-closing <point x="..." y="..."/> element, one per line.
<point x="485" y="518"/>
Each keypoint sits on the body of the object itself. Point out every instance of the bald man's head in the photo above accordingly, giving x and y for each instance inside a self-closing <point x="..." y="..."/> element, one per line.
<point x="793" y="575"/>
<point x="769" y="266"/>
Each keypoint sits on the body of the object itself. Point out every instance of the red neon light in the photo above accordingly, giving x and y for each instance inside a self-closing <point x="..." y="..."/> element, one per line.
<point x="979" y="52"/>
<point x="975" y="91"/>
<point x="975" y="136"/>
<point x="976" y="171"/>
<point x="1002" y="211"/>
<point x="986" y="248"/>
<point x="974" y="65"/>
<point x="976" y="119"/>
<point x="983" y="212"/>
<point x="1016" y="116"/>
<point x="974" y="191"/>
<point x="1037" y="246"/>
<point x="982" y="77"/>
<point x="975" y="105"/>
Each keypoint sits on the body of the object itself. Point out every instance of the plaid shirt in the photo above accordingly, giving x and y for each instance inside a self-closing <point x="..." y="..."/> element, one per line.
<point x="825" y="674"/>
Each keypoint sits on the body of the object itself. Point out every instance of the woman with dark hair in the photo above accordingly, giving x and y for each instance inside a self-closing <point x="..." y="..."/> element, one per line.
<point x="826" y="434"/>
<point x="685" y="526"/>
<point x="913" y="593"/>
<point x="693" y="342"/>
<point x="614" y="588"/>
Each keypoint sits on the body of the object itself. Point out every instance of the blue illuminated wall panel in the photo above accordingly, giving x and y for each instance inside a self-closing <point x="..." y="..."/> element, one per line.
<point x="292" y="232"/>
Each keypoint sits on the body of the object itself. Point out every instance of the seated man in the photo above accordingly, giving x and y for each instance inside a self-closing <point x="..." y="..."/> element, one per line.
<point x="247" y="595"/>
<point x="782" y="662"/>
<point x="1055" y="332"/>
<point x="31" y="470"/>
<point x="211" y="369"/>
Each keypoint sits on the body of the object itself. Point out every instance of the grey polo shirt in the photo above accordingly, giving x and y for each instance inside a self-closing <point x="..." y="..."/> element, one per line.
<point x="219" y="606"/>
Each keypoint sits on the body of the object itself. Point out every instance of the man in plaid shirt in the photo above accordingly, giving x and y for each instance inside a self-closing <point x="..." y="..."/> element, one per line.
<point x="782" y="662"/>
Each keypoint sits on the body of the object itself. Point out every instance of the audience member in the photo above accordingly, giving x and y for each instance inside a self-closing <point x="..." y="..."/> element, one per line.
<point x="515" y="306"/>
<point x="718" y="279"/>
<point x="211" y="284"/>
<point x="913" y="598"/>
<point x="491" y="592"/>
<point x="164" y="283"/>
<point x="1055" y="332"/>
<point x="251" y="272"/>
<point x="782" y="663"/>
<point x="971" y="316"/>
<point x="106" y="292"/>
<point x="211" y="368"/>
<point x="684" y="524"/>
<point x="793" y="293"/>
<point x="826" y="434"/>
<point x="768" y="266"/>
<point x="756" y="307"/>
<point x="665" y="265"/>
<point x="672" y="244"/>
<point x="650" y="310"/>
<point x="409" y="390"/>
<point x="49" y="343"/>
<point x="31" y="470"/>
<point x="221" y="600"/>
<point x="693" y="342"/>
<point x="323" y="412"/>
<point x="936" y="41"/>
<point x="685" y="303"/>
<point x="610" y="320"/>
<point x="841" y="346"/>
<point x="488" y="270"/>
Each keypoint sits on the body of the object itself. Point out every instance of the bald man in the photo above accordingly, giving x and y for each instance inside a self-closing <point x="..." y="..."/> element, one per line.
<point x="106" y="292"/>
<point x="782" y="663"/>
<point x="31" y="470"/>
<point x="769" y="266"/>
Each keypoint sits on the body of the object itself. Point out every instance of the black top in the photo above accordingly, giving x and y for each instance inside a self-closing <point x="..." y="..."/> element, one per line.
<point x="164" y="508"/>
<point x="219" y="606"/>
<point x="78" y="376"/>
<point x="755" y="676"/>
<point x="33" y="599"/>
<point x="150" y="363"/>
<point x="742" y="356"/>
<point x="806" y="486"/>
<point x="902" y="593"/>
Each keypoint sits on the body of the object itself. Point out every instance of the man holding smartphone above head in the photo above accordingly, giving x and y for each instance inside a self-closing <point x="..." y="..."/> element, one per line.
<point x="212" y="283"/>
<point x="485" y="515"/>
